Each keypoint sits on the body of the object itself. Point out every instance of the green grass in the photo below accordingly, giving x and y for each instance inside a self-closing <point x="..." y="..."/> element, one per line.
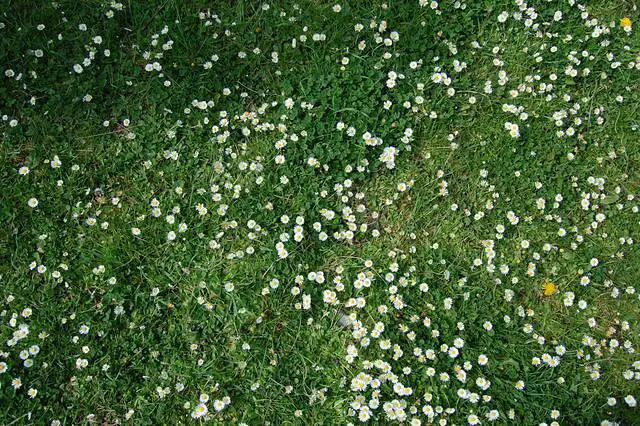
<point x="193" y="306"/>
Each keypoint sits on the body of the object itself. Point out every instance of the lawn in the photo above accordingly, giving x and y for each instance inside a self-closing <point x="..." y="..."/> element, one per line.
<point x="276" y="213"/>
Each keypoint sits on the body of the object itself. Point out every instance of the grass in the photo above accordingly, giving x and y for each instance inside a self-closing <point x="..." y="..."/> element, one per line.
<point x="163" y="276"/>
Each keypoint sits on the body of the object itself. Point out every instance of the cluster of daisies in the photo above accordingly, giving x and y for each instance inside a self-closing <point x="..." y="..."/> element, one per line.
<point x="427" y="336"/>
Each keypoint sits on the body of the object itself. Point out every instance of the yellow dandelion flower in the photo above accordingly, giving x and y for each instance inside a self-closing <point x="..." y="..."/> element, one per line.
<point x="625" y="22"/>
<point x="549" y="288"/>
